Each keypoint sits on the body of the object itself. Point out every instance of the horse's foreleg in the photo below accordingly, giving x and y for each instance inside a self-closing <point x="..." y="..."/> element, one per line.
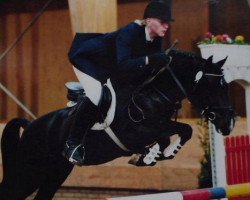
<point x="184" y="131"/>
<point x="149" y="158"/>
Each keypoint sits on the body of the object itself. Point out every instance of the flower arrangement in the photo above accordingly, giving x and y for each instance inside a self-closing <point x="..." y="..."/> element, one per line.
<point x="209" y="38"/>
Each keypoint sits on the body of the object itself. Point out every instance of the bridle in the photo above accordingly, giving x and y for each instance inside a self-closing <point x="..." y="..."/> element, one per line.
<point x="204" y="112"/>
<point x="208" y="111"/>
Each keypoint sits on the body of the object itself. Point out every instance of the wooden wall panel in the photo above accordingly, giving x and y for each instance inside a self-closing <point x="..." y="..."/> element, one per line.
<point x="129" y="11"/>
<point x="54" y="39"/>
<point x="3" y="98"/>
<point x="11" y="61"/>
<point x="36" y="70"/>
<point x="232" y="17"/>
<point x="23" y="70"/>
<point x="93" y="15"/>
<point x="191" y="22"/>
<point x="24" y="6"/>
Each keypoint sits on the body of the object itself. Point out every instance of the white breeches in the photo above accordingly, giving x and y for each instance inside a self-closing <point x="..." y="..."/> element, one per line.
<point x="92" y="87"/>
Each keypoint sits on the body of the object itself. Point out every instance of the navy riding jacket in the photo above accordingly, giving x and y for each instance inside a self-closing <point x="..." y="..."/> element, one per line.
<point x="122" y="52"/>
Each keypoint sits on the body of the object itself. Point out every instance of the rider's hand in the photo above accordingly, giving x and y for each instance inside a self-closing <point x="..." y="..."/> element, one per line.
<point x="158" y="60"/>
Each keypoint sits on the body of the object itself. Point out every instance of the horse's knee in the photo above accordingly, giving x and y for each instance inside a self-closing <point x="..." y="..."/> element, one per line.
<point x="186" y="133"/>
<point x="163" y="142"/>
<point x="189" y="131"/>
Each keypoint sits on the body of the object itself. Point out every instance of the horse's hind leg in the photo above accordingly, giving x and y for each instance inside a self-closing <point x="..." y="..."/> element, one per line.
<point x="26" y="184"/>
<point x="53" y="181"/>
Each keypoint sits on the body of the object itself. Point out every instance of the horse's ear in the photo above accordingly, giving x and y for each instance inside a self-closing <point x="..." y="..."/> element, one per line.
<point x="210" y="60"/>
<point x="221" y="62"/>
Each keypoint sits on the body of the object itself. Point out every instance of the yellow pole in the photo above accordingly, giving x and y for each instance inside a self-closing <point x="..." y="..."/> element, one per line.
<point x="238" y="190"/>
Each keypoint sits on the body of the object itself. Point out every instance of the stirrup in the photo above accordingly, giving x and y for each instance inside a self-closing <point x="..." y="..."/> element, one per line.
<point x="70" y="153"/>
<point x="73" y="85"/>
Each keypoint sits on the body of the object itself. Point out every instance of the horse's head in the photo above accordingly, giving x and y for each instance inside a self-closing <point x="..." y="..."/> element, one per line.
<point x="210" y="95"/>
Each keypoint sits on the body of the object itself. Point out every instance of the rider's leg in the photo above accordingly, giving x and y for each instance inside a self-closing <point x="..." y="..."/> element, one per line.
<point x="91" y="86"/>
<point x="84" y="117"/>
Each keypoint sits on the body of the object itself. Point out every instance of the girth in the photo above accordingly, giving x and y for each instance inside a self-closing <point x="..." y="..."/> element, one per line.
<point x="105" y="101"/>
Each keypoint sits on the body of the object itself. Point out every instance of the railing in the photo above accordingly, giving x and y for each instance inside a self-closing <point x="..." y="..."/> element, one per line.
<point x="201" y="194"/>
<point x="238" y="161"/>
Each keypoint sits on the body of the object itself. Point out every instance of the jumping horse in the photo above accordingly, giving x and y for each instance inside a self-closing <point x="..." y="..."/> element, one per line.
<point x="136" y="121"/>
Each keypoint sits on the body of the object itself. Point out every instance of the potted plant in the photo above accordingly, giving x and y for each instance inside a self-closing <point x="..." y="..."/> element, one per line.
<point x="205" y="176"/>
<point x="221" y="46"/>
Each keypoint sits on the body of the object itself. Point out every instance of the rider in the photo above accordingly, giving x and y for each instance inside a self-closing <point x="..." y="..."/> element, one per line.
<point x="134" y="49"/>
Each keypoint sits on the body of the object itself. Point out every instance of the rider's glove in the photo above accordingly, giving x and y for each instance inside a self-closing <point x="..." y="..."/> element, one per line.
<point x="158" y="60"/>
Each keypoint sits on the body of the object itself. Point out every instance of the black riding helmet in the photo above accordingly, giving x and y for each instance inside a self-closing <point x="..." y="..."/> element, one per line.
<point x="159" y="9"/>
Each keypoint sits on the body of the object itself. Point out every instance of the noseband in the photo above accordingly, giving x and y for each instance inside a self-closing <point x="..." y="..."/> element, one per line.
<point x="210" y="112"/>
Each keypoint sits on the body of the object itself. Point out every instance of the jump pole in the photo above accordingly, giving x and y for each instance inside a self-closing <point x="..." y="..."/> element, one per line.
<point x="239" y="190"/>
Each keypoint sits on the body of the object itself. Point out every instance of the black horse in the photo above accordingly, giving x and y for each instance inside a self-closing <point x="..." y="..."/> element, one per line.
<point x="34" y="161"/>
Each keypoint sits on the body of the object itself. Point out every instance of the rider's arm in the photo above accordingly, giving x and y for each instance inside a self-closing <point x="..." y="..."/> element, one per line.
<point x="125" y="60"/>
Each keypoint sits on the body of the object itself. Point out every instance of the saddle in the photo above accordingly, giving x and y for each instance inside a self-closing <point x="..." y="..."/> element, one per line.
<point x="75" y="90"/>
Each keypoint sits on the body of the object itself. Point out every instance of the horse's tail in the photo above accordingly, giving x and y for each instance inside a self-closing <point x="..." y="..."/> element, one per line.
<point x="9" y="144"/>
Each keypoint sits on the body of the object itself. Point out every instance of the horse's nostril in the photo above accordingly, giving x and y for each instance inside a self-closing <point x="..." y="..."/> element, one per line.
<point x="226" y="132"/>
<point x="211" y="116"/>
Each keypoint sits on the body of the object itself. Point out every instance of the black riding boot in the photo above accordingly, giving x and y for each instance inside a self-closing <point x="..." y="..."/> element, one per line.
<point x="84" y="118"/>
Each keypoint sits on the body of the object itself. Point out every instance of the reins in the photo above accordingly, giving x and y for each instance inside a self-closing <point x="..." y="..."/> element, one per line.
<point x="148" y="81"/>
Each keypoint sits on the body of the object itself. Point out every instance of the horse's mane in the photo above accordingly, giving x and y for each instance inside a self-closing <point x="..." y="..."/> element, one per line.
<point x="186" y="54"/>
<point x="185" y="62"/>
<point x="194" y="58"/>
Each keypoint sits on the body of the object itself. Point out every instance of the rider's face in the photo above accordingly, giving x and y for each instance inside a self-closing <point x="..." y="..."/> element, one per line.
<point x="156" y="27"/>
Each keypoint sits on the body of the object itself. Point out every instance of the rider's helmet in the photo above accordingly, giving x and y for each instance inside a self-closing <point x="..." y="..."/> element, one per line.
<point x="159" y="9"/>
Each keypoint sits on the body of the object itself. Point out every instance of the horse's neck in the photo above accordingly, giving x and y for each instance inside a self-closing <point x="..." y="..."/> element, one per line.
<point x="168" y="85"/>
<point x="184" y="70"/>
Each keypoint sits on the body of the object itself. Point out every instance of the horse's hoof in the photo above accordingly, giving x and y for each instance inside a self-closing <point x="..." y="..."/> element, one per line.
<point x="172" y="149"/>
<point x="162" y="157"/>
<point x="137" y="161"/>
<point x="147" y="159"/>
